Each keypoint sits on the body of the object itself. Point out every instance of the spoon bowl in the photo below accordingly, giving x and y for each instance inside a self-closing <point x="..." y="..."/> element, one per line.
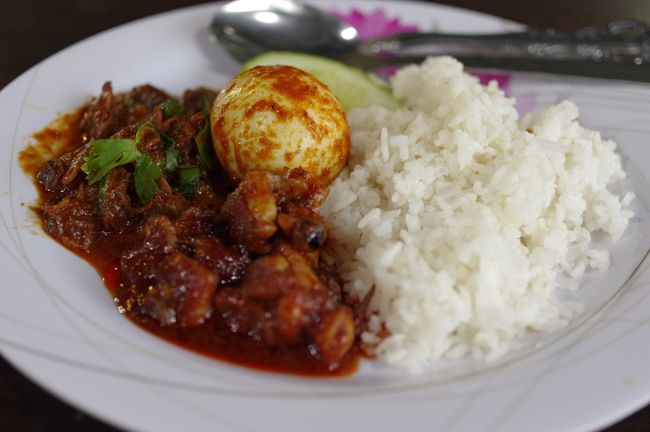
<point x="247" y="28"/>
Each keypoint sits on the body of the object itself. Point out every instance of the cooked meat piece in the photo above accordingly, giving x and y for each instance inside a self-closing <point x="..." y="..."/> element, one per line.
<point x="167" y="203"/>
<point x="59" y="173"/>
<point x="101" y="119"/>
<point x="159" y="235"/>
<point x="309" y="305"/>
<point x="298" y="187"/>
<point x="248" y="318"/>
<point x="139" y="103"/>
<point x="250" y="212"/>
<point x="181" y="292"/>
<point x="73" y="219"/>
<point x="198" y="100"/>
<point x="304" y="228"/>
<point x="110" y="113"/>
<point x="230" y="263"/>
<point x="162" y="282"/>
<point x="298" y="199"/>
<point x="301" y="266"/>
<point x="327" y="273"/>
<point x="296" y="312"/>
<point x="138" y="265"/>
<point x="183" y="130"/>
<point x="335" y="334"/>
<point x="196" y="221"/>
<point x="114" y="202"/>
<point x="150" y="143"/>
<point x="209" y="196"/>
<point x="267" y="278"/>
<point x="74" y="167"/>
<point x="50" y="174"/>
<point x="294" y="303"/>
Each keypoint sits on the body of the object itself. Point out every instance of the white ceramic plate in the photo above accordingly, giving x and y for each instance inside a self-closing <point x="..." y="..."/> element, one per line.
<point x="60" y="327"/>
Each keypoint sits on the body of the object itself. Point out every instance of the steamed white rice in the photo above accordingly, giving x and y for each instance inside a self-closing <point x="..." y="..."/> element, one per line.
<point x="461" y="215"/>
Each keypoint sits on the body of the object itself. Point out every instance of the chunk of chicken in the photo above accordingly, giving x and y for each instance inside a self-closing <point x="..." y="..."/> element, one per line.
<point x="250" y="212"/>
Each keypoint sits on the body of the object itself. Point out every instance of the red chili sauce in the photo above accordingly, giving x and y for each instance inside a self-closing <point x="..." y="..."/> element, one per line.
<point x="236" y="272"/>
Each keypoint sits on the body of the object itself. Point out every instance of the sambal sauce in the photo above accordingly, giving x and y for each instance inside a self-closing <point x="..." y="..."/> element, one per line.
<point x="238" y="272"/>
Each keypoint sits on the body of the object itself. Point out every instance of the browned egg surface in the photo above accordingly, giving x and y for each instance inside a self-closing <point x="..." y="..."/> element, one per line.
<point x="277" y="117"/>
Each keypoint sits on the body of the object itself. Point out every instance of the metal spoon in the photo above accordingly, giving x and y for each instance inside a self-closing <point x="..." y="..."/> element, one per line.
<point x="620" y="49"/>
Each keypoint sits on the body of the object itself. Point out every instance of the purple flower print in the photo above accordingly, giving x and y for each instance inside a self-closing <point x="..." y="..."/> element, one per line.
<point x="377" y="24"/>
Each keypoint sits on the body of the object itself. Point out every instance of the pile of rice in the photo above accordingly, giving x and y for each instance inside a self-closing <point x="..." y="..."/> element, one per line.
<point x="461" y="216"/>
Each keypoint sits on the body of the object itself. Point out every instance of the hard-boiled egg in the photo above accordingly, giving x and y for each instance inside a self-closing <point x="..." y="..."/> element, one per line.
<point x="277" y="117"/>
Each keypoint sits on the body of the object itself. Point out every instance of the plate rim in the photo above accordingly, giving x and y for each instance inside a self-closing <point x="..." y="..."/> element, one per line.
<point x="32" y="70"/>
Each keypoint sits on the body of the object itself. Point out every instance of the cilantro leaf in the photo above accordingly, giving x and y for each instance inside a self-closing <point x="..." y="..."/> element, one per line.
<point x="106" y="154"/>
<point x="203" y="143"/>
<point x="171" y="108"/>
<point x="188" y="176"/>
<point x="145" y="176"/>
<point x="138" y="133"/>
<point x="171" y="152"/>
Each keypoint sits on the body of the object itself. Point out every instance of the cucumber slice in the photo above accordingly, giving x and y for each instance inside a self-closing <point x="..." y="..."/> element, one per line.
<point x="353" y="87"/>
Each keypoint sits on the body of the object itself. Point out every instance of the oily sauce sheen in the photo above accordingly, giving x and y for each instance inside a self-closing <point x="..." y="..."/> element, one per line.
<point x="224" y="326"/>
<point x="272" y="117"/>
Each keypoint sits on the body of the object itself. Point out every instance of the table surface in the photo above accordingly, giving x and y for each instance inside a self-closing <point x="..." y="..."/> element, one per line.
<point x="43" y="28"/>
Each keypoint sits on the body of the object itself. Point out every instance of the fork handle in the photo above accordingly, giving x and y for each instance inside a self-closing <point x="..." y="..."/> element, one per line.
<point x="621" y="42"/>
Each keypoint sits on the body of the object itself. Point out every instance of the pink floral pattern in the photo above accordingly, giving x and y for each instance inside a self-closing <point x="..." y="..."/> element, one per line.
<point x="502" y="79"/>
<point x="377" y="24"/>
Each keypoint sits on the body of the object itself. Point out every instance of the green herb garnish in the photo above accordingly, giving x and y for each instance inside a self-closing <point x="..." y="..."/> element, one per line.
<point x="171" y="152"/>
<point x="171" y="108"/>
<point x="106" y="154"/>
<point x="145" y="176"/>
<point x="188" y="177"/>
<point x="203" y="141"/>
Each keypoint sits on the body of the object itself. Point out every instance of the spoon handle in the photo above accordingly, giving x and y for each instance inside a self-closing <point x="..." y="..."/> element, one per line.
<point x="622" y="42"/>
